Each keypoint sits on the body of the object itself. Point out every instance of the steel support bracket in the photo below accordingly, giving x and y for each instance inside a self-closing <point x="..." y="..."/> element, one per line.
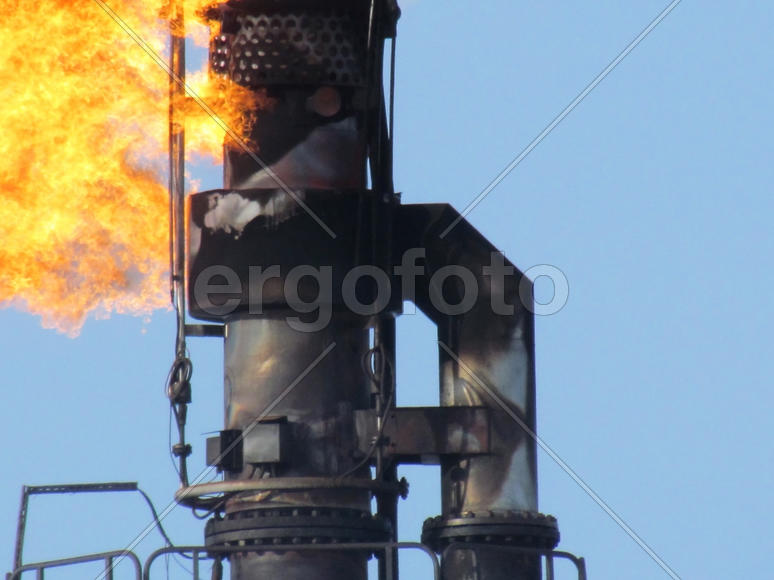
<point x="266" y="442"/>
<point x="422" y="435"/>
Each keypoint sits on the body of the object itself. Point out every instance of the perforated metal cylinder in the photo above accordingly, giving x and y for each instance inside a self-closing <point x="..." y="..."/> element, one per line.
<point x="325" y="46"/>
<point x="310" y="60"/>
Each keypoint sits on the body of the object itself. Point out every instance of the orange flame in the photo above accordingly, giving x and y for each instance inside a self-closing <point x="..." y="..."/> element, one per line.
<point x="83" y="213"/>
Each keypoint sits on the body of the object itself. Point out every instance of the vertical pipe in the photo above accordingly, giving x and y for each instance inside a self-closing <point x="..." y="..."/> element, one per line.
<point x="262" y="358"/>
<point x="177" y="168"/>
<point x="482" y="355"/>
<point x="309" y="59"/>
<point x="498" y="354"/>
<point x="177" y="250"/>
<point x="21" y="527"/>
<point x="486" y="351"/>
<point x="217" y="568"/>
<point x="387" y="504"/>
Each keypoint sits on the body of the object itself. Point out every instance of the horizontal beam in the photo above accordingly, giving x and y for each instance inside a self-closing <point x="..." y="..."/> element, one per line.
<point x="421" y="435"/>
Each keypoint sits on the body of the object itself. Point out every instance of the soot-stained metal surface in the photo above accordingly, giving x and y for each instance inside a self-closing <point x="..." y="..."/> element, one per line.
<point x="322" y="47"/>
<point x="423" y="435"/>
<point x="305" y="258"/>
<point x="234" y="233"/>
<point x="316" y="68"/>
<point x="486" y="359"/>
<point x="262" y="357"/>
<point x="272" y="257"/>
<point x="486" y="354"/>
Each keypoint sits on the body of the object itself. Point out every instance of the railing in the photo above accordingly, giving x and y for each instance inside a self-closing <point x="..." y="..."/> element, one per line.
<point x="199" y="553"/>
<point x="111" y="559"/>
<point x="549" y="555"/>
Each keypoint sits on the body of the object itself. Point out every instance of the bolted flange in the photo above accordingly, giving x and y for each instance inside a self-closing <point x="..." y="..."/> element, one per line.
<point x="263" y="528"/>
<point x="511" y="528"/>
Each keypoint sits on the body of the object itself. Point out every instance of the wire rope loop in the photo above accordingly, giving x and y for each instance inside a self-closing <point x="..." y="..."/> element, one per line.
<point x="178" y="380"/>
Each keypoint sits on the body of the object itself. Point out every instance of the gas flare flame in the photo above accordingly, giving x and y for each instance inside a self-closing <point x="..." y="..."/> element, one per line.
<point x="84" y="206"/>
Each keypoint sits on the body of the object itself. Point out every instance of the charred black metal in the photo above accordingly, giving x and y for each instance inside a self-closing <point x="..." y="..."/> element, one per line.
<point x="317" y="63"/>
<point x="298" y="200"/>
<point x="422" y="435"/>
<point x="486" y="358"/>
<point x="264" y="528"/>
<point x="284" y="235"/>
<point x="487" y="366"/>
<point x="270" y="259"/>
<point x="312" y="436"/>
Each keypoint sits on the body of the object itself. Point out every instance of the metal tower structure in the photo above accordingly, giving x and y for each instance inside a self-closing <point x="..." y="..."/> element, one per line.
<point x="301" y="263"/>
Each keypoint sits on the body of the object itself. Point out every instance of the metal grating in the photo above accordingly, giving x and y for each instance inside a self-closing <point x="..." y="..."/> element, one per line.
<point x="320" y="47"/>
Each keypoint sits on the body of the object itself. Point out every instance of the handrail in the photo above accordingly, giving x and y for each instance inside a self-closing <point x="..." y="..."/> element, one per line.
<point x="549" y="555"/>
<point x="28" y="490"/>
<point x="108" y="557"/>
<point x="210" y="552"/>
<point x="199" y="553"/>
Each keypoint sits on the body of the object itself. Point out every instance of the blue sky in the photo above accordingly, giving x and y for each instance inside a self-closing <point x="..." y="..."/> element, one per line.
<point x="652" y="196"/>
